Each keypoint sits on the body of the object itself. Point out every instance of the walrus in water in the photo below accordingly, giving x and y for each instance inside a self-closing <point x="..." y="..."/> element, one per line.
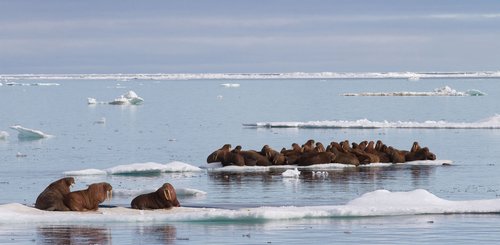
<point x="164" y="197"/>
<point x="51" y="199"/>
<point x="89" y="199"/>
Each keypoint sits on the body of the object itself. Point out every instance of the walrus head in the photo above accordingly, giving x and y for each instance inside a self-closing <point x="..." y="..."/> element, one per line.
<point x="63" y="184"/>
<point x="101" y="191"/>
<point x="169" y="194"/>
<point x="415" y="147"/>
<point x="428" y="155"/>
<point x="218" y="155"/>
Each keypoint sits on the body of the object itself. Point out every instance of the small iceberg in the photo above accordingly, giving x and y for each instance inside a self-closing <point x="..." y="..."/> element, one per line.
<point x="26" y="133"/>
<point x="291" y="173"/>
<point x="230" y="85"/>
<point x="129" y="98"/>
<point x="3" y="135"/>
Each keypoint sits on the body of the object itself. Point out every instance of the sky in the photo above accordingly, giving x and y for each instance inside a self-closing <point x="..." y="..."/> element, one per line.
<point x="248" y="36"/>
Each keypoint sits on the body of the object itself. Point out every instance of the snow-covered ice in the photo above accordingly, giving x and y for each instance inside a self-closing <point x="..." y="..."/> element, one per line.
<point x="488" y="123"/>
<point x="27" y="133"/>
<point x="376" y="203"/>
<point x="138" y="168"/>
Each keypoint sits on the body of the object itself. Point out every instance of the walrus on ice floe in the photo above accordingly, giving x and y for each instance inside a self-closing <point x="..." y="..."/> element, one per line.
<point x="225" y="156"/>
<point x="89" y="199"/>
<point x="419" y="153"/>
<point x="51" y="199"/>
<point x="163" y="198"/>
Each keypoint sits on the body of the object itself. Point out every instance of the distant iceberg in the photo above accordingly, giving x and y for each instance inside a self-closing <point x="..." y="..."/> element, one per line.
<point x="444" y="91"/>
<point x="3" y="135"/>
<point x="129" y="98"/>
<point x="231" y="85"/>
<point x="26" y="133"/>
<point x="488" y="123"/>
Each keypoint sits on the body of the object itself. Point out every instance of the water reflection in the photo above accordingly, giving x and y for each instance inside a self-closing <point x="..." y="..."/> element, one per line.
<point x="164" y="234"/>
<point x="417" y="174"/>
<point x="73" y="235"/>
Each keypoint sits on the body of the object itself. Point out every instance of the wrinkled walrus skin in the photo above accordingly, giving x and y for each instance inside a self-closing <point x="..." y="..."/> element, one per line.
<point x="51" y="199"/>
<point x="163" y="198"/>
<point x="89" y="199"/>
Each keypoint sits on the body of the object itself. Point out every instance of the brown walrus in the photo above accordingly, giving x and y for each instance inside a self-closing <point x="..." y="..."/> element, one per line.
<point x="225" y="156"/>
<point x="164" y="197"/>
<point x="89" y="199"/>
<point x="51" y="199"/>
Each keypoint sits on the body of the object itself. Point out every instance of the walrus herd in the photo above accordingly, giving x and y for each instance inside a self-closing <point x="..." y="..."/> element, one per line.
<point x="58" y="197"/>
<point x="315" y="153"/>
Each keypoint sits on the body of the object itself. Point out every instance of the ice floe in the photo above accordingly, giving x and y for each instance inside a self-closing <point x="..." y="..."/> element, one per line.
<point x="231" y="85"/>
<point x="27" y="133"/>
<point x="294" y="169"/>
<point x="376" y="203"/>
<point x="488" y="123"/>
<point x="444" y="91"/>
<point x="129" y="98"/>
<point x="138" y="169"/>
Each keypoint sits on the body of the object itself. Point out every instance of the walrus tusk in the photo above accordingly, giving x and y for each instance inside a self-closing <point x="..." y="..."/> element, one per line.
<point x="109" y="195"/>
<point x="166" y="192"/>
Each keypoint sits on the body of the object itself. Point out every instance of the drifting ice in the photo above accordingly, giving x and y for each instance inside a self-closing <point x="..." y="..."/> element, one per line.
<point x="26" y="133"/>
<point x="444" y="91"/>
<point x="129" y="98"/>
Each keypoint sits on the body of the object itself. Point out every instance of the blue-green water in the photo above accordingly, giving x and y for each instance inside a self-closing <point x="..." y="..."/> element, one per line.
<point x="186" y="120"/>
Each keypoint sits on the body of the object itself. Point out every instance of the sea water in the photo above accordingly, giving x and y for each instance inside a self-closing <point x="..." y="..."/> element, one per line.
<point x="168" y="137"/>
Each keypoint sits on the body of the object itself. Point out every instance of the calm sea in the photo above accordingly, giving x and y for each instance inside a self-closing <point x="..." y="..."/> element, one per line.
<point x="187" y="120"/>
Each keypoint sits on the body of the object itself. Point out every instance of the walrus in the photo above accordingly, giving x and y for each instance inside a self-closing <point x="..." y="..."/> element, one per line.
<point x="164" y="197"/>
<point x="89" y="199"/>
<point x="51" y="199"/>
<point x="225" y="156"/>
<point x="370" y="148"/>
<point x="269" y="152"/>
<point x="308" y="146"/>
<point x="312" y="158"/>
<point x="342" y="155"/>
<point x="419" y="153"/>
<point x="252" y="158"/>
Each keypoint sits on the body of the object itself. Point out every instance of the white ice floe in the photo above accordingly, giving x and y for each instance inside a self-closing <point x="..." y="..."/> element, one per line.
<point x="3" y="135"/>
<point x="129" y="98"/>
<point x="26" y="133"/>
<point x="376" y="203"/>
<point x="217" y="167"/>
<point x="444" y="91"/>
<point x="291" y="173"/>
<point x="231" y="85"/>
<point x="488" y="123"/>
<point x="138" y="168"/>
